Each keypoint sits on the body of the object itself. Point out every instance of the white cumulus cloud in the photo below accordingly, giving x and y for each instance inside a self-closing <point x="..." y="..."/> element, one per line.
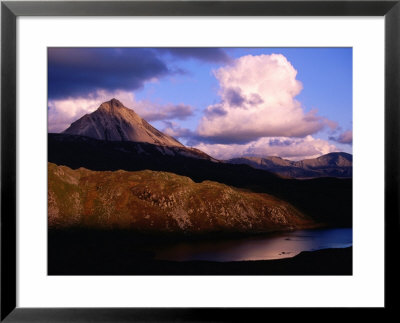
<point x="258" y="100"/>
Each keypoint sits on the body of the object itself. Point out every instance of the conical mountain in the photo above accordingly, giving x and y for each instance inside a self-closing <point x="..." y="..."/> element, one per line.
<point x="112" y="121"/>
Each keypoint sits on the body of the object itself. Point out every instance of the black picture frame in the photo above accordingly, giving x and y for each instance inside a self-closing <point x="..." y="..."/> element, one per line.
<point x="10" y="10"/>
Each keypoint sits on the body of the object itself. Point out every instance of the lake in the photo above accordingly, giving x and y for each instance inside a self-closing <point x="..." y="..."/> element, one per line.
<point x="271" y="246"/>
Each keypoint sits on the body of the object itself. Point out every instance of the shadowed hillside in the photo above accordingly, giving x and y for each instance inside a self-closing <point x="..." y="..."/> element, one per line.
<point x="327" y="200"/>
<point x="150" y="201"/>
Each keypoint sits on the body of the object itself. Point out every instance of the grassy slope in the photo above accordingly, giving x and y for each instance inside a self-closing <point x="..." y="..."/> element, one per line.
<point x="152" y="201"/>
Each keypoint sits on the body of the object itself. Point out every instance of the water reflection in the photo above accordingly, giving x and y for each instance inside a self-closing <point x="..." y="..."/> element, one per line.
<point x="274" y="246"/>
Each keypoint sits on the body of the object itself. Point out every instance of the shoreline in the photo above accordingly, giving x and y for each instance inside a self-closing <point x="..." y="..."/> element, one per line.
<point x="334" y="261"/>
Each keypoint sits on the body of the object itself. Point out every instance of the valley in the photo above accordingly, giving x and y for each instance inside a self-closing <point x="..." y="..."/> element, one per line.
<point x="118" y="187"/>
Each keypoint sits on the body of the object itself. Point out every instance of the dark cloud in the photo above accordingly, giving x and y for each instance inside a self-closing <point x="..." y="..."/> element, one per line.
<point x="230" y="137"/>
<point x="255" y="99"/>
<point x="79" y="71"/>
<point x="280" y="143"/>
<point x="179" y="111"/>
<point x="173" y="129"/>
<point x="193" y="137"/>
<point x="344" y="138"/>
<point x="234" y="97"/>
<point x="246" y="135"/>
<point x="208" y="54"/>
<point x="215" y="110"/>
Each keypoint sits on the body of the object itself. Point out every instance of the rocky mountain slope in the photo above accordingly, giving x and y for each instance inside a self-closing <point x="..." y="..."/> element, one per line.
<point x="112" y="121"/>
<point x="151" y="201"/>
<point x="329" y="165"/>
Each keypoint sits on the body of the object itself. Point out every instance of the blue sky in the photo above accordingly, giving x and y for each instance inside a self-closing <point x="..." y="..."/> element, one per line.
<point x="291" y="102"/>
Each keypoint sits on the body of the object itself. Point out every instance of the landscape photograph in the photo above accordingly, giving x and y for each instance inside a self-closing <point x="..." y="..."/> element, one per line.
<point x="200" y="161"/>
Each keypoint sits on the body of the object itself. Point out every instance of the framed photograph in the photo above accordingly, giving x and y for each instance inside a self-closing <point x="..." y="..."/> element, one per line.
<point x="197" y="160"/>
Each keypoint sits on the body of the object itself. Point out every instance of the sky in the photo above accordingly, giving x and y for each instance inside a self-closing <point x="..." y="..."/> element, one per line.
<point x="295" y="103"/>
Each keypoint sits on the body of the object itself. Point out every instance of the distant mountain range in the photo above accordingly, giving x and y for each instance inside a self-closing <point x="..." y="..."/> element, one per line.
<point x="115" y="138"/>
<point x="112" y="121"/>
<point x="330" y="165"/>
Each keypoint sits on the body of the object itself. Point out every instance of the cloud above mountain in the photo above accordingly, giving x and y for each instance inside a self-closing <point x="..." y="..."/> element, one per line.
<point x="285" y="147"/>
<point x="248" y="105"/>
<point x="345" y="137"/>
<point x="258" y="100"/>
<point x="62" y="112"/>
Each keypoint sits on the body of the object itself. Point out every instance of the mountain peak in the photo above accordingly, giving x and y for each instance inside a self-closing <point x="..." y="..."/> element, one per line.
<point x="112" y="105"/>
<point x="112" y="121"/>
<point x="115" y="102"/>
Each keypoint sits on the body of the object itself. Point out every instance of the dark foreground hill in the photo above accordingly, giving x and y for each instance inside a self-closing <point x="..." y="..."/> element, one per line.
<point x="329" y="165"/>
<point x="326" y="200"/>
